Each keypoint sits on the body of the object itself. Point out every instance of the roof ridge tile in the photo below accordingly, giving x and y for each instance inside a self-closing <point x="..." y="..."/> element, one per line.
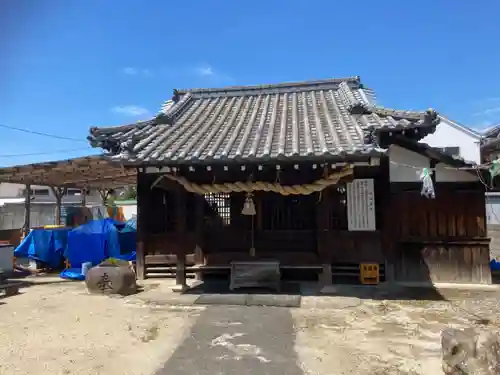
<point x="283" y="85"/>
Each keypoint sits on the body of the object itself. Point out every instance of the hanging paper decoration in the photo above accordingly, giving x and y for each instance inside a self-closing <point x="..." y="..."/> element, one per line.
<point x="495" y="168"/>
<point x="427" y="184"/>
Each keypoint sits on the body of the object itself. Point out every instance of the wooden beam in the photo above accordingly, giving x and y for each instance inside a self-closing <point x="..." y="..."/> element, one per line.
<point x="142" y="194"/>
<point x="96" y="184"/>
<point x="180" y="213"/>
<point x="27" y="209"/>
<point x="58" y="192"/>
<point x="68" y="178"/>
<point x="84" y="196"/>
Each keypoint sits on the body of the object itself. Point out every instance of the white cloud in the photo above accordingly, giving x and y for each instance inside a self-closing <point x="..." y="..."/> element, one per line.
<point x="136" y="71"/>
<point x="483" y="125"/>
<point x="130" y="71"/>
<point x="488" y="111"/>
<point x="211" y="76"/>
<point x="205" y="71"/>
<point x="131" y="110"/>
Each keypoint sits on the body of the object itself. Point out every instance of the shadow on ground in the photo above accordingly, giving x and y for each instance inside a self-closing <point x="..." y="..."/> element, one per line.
<point x="24" y="281"/>
<point x="495" y="277"/>
<point x="383" y="292"/>
<point x="218" y="292"/>
<point x="290" y="294"/>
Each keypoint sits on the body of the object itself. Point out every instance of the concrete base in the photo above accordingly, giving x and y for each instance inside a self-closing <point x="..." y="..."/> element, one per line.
<point x="180" y="288"/>
<point x="249" y="300"/>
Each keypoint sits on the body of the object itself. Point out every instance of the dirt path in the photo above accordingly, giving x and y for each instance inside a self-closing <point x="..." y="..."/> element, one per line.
<point x="238" y="340"/>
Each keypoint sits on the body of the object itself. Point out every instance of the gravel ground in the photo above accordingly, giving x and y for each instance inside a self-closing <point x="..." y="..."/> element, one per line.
<point x="58" y="328"/>
<point x="384" y="337"/>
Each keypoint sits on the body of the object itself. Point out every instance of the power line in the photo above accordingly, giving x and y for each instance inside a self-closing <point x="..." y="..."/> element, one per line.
<point x="43" y="153"/>
<point x="42" y="134"/>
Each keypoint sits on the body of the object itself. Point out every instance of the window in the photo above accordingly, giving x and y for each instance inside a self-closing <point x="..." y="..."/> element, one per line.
<point x="220" y="205"/>
<point x="37" y="192"/>
<point x="40" y="192"/>
<point x="453" y="151"/>
<point x="73" y="192"/>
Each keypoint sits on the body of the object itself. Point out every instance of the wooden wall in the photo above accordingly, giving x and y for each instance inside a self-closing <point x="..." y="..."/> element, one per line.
<point x="296" y="230"/>
<point x="439" y="240"/>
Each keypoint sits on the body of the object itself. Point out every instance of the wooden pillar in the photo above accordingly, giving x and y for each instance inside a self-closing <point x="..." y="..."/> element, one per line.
<point x="27" y="210"/>
<point x="142" y="196"/>
<point x="180" y="229"/>
<point x="58" y="193"/>
<point x="322" y="230"/>
<point x="84" y="196"/>
<point x="104" y="195"/>
<point x="199" y="215"/>
<point x="385" y="220"/>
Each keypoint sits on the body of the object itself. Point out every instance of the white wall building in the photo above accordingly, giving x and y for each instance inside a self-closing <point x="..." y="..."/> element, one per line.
<point x="43" y="194"/>
<point x="457" y="139"/>
<point x="43" y="204"/>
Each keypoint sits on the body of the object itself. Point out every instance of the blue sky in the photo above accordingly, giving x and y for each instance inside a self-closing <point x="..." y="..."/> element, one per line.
<point x="67" y="65"/>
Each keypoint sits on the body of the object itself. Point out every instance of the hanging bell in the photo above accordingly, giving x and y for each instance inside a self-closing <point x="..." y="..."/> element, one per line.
<point x="248" y="207"/>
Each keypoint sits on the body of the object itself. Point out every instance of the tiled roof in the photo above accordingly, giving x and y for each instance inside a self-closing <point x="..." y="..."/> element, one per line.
<point x="491" y="131"/>
<point x="324" y="119"/>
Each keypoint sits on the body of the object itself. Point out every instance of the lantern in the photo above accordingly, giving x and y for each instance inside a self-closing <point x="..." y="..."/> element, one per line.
<point x="248" y="207"/>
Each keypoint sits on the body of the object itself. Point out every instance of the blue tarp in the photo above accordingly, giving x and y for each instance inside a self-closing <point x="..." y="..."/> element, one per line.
<point x="131" y="224"/>
<point x="494" y="265"/>
<point x="44" y="245"/>
<point x="93" y="242"/>
<point x="127" y="236"/>
<point x="72" y="274"/>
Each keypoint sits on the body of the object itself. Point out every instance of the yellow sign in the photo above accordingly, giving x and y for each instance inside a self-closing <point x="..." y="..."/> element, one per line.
<point x="369" y="273"/>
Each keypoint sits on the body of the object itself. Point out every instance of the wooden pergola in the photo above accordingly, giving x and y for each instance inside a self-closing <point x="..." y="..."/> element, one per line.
<point x="85" y="173"/>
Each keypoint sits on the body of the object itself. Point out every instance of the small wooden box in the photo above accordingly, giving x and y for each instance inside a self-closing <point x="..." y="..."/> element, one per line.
<point x="255" y="274"/>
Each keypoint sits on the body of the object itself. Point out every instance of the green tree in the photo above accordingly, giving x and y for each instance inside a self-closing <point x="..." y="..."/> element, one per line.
<point x="130" y="193"/>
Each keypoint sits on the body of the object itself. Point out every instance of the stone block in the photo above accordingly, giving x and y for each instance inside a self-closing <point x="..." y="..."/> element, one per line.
<point x="470" y="352"/>
<point x="111" y="279"/>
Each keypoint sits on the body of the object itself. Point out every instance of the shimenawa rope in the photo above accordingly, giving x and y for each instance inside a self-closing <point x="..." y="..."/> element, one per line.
<point x="248" y="187"/>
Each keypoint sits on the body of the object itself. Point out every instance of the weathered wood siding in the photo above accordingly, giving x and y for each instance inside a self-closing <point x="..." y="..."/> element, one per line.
<point x="439" y="240"/>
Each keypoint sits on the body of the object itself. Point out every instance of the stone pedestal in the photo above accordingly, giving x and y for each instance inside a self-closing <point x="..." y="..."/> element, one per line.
<point x="111" y="279"/>
<point x="325" y="277"/>
<point x="470" y="351"/>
